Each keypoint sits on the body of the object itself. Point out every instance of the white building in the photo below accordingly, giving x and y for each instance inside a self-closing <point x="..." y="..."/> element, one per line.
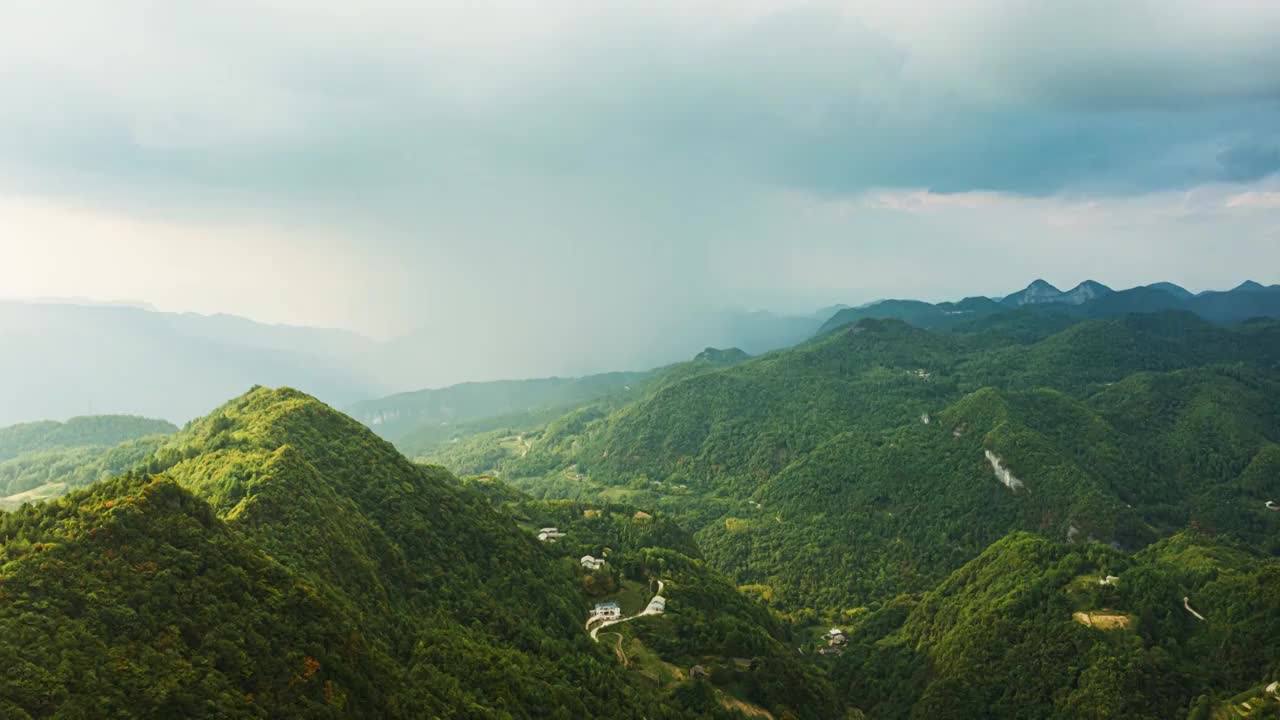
<point x="549" y="534"/>
<point x="591" y="563"/>
<point x="835" y="637"/>
<point x="1109" y="580"/>
<point x="607" y="611"/>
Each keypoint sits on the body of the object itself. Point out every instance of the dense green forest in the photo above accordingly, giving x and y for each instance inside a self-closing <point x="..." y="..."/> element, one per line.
<point x="426" y="412"/>
<point x="89" y="431"/>
<point x="46" y="459"/>
<point x="746" y="651"/>
<point x="427" y="421"/>
<point x="277" y="559"/>
<point x="1026" y="515"/>
<point x="850" y="479"/>
<point x="1035" y="628"/>
<point x="1087" y="300"/>
<point x="867" y="462"/>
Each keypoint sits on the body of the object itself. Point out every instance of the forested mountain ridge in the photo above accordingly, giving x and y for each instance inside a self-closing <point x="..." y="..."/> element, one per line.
<point x="425" y="421"/>
<point x="748" y="654"/>
<point x="291" y="563"/>
<point x="46" y="459"/>
<point x="95" y="430"/>
<point x="398" y="416"/>
<point x="876" y="459"/>
<point x="1089" y="299"/>
<point x="1034" y="628"/>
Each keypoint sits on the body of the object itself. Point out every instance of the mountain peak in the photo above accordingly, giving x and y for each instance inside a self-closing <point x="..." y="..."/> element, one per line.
<point x="1039" y="291"/>
<point x="1249" y="286"/>
<point x="727" y="356"/>
<point x="1084" y="292"/>
<point x="1175" y="290"/>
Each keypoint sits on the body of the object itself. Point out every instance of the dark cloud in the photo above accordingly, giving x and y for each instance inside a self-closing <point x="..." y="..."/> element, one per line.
<point x="1250" y="161"/>
<point x="525" y="171"/>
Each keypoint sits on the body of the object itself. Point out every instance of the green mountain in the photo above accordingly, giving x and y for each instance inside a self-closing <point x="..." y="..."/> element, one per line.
<point x="745" y="650"/>
<point x="401" y="416"/>
<point x="1026" y="513"/>
<point x="46" y="459"/>
<point x="1034" y="628"/>
<point x="45" y="474"/>
<point x="1089" y="299"/>
<point x="95" y="430"/>
<point x="428" y="421"/>
<point x="875" y="460"/>
<point x="276" y="559"/>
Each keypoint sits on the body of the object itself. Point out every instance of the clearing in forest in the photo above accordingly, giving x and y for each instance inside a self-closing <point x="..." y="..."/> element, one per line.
<point x="1103" y="620"/>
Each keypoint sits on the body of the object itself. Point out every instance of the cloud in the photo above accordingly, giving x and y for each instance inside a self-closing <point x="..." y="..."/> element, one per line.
<point x="538" y="172"/>
<point x="1009" y="95"/>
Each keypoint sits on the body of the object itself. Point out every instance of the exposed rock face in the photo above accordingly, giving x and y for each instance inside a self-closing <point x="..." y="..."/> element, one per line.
<point x="1041" y="292"/>
<point x="1084" y="292"/>
<point x="1037" y="292"/>
<point x="1003" y="474"/>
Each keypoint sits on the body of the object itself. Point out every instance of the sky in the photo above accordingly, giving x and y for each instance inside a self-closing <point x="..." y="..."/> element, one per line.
<point x="553" y="169"/>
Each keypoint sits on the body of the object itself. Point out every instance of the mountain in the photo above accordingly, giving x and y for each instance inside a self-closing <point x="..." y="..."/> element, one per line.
<point x="424" y="421"/>
<point x="1034" y="628"/>
<point x="1175" y="290"/>
<point x="1027" y="514"/>
<point x="37" y="476"/>
<point x="874" y="460"/>
<point x="707" y="621"/>
<point x="1249" y="286"/>
<point x="447" y="354"/>
<point x="174" y="366"/>
<point x="918" y="313"/>
<point x="1040" y="292"/>
<point x="43" y="460"/>
<point x="277" y="559"/>
<point x="1089" y="299"/>
<point x="99" y="430"/>
<point x="403" y="414"/>
<point x="1086" y="291"/>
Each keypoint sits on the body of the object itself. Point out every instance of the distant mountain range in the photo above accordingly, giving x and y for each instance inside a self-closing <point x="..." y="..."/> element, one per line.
<point x="1089" y="299"/>
<point x="62" y="359"/>
<point x="65" y="358"/>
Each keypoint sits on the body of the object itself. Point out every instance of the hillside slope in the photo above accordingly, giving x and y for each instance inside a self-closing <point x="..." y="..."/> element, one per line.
<point x="278" y="559"/>
<point x="876" y="459"/>
<point x="1087" y="300"/>
<point x="1033" y="628"/>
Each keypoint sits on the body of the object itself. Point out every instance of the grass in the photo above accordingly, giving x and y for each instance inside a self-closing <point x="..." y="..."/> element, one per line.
<point x="34" y="495"/>
<point x="632" y="597"/>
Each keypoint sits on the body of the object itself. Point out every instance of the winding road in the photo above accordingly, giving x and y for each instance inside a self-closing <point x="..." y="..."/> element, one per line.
<point x="621" y="655"/>
<point x="1186" y="603"/>
<point x="595" y="631"/>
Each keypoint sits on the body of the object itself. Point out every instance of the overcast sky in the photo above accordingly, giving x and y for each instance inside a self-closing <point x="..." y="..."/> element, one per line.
<point x="544" y="166"/>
